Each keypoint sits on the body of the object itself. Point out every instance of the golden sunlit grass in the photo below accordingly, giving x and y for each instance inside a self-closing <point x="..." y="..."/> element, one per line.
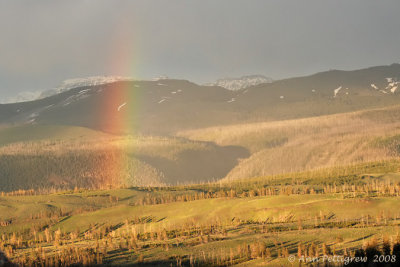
<point x="325" y="185"/>
<point x="116" y="227"/>
<point x="305" y="144"/>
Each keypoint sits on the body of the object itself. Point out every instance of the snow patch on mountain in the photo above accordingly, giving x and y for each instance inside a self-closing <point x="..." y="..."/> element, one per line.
<point x="121" y="106"/>
<point x="33" y="115"/>
<point x="160" y="78"/>
<point x="22" y="97"/>
<point x="336" y="91"/>
<point x="82" y="94"/>
<point x="235" y="84"/>
<point x="392" y="84"/>
<point x="65" y="86"/>
<point x="82" y="82"/>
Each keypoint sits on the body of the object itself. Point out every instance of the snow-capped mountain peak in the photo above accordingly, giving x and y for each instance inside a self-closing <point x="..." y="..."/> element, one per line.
<point x="65" y="86"/>
<point x="160" y="78"/>
<point x="22" y="97"/>
<point x="241" y="83"/>
<point x="81" y="82"/>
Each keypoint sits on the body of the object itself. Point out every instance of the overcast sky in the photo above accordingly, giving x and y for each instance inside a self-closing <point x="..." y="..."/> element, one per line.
<point x="43" y="43"/>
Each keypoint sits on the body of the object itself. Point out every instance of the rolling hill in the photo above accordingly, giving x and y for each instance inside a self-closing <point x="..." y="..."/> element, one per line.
<point x="166" y="106"/>
<point x="168" y="172"/>
<point x="168" y="132"/>
<point x="65" y="157"/>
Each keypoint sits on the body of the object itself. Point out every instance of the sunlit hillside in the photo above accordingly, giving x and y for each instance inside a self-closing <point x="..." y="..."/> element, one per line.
<point x="311" y="143"/>
<point x="245" y="194"/>
<point x="345" y="212"/>
<point x="61" y="157"/>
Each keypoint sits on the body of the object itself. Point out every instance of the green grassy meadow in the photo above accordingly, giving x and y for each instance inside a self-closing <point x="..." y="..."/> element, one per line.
<point x="240" y="195"/>
<point x="214" y="224"/>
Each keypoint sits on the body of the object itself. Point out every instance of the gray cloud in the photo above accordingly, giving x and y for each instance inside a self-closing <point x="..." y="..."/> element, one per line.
<point x="45" y="42"/>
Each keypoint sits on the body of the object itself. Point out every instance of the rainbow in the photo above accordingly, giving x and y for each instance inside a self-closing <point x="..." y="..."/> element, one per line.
<point x="119" y="109"/>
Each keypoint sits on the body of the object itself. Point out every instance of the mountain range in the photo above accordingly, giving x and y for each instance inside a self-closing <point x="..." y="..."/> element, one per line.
<point x="168" y="105"/>
<point x="101" y="133"/>
<point x="228" y="83"/>
<point x="242" y="82"/>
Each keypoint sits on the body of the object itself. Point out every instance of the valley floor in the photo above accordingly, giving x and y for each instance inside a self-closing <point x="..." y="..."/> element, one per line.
<point x="243" y="224"/>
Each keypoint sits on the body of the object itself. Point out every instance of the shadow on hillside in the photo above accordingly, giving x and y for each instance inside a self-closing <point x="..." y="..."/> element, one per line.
<point x="4" y="261"/>
<point x="198" y="166"/>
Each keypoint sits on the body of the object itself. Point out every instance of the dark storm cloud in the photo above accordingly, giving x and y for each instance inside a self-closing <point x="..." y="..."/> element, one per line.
<point x="45" y="42"/>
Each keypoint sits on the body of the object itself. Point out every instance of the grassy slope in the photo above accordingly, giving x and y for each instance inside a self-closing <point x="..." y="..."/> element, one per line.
<point x="242" y="218"/>
<point x="43" y="156"/>
<point x="276" y="209"/>
<point x="318" y="142"/>
<point x="231" y="152"/>
<point x="372" y="135"/>
<point x="31" y="133"/>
